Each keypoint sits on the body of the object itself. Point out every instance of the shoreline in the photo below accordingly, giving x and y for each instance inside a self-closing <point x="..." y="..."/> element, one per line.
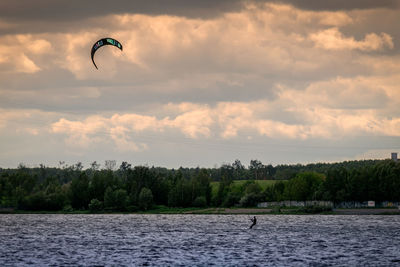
<point x="368" y="211"/>
<point x="289" y="211"/>
<point x="232" y="211"/>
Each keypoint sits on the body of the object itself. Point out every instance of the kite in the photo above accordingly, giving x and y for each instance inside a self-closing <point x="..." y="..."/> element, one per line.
<point x="103" y="42"/>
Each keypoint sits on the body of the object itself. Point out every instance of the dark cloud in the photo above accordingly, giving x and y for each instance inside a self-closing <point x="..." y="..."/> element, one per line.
<point x="26" y="16"/>
<point x="335" y="5"/>
<point x="59" y="10"/>
<point x="76" y="9"/>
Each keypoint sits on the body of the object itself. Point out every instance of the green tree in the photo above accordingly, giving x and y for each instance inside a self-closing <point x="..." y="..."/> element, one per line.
<point x="35" y="201"/>
<point x="250" y="200"/>
<point x="239" y="170"/>
<point x="121" y="199"/>
<point x="304" y="186"/>
<point x="251" y="194"/>
<point x="223" y="190"/>
<point x="255" y="169"/>
<point x="200" y="202"/>
<point x="231" y="199"/>
<point x="79" y="192"/>
<point x="180" y="191"/>
<point x="335" y="184"/>
<point x="109" y="198"/>
<point x="97" y="186"/>
<point x="95" y="205"/>
<point x="201" y="186"/>
<point x="145" y="198"/>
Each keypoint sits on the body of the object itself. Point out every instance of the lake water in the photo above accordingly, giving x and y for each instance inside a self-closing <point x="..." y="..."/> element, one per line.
<point x="276" y="240"/>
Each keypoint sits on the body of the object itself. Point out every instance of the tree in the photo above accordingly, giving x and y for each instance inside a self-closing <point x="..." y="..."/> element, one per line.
<point x="304" y="186"/>
<point x="145" y="198"/>
<point x="250" y="200"/>
<point x="269" y="171"/>
<point x="123" y="171"/>
<point x="94" y="166"/>
<point x="124" y="166"/>
<point x="253" y="188"/>
<point x="252" y="194"/>
<point x="201" y="186"/>
<point x="227" y="171"/>
<point x="79" y="192"/>
<point x="121" y="199"/>
<point x="335" y="184"/>
<point x="223" y="190"/>
<point x="97" y="186"/>
<point x="231" y="199"/>
<point x="200" y="202"/>
<point x="109" y="198"/>
<point x="278" y="191"/>
<point x="238" y="169"/>
<point x="255" y="167"/>
<point x="95" y="205"/>
<point x="180" y="191"/>
<point x="78" y="166"/>
<point x="110" y="164"/>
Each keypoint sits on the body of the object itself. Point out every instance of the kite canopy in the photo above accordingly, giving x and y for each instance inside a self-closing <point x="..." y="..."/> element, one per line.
<point x="103" y="42"/>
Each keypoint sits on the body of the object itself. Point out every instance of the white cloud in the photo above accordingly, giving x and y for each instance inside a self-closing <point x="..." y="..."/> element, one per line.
<point x="316" y="116"/>
<point x="40" y="46"/>
<point x="333" y="39"/>
<point x="122" y="141"/>
<point x="25" y="121"/>
<point x="342" y="93"/>
<point x="81" y="134"/>
<point x="17" y="52"/>
<point x="135" y="122"/>
<point x="193" y="123"/>
<point x="25" y="64"/>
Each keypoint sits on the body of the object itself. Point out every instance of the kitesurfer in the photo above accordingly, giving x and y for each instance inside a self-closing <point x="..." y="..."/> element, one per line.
<point x="254" y="221"/>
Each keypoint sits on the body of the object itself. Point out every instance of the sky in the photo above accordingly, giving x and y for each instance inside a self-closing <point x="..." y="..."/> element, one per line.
<point x="199" y="83"/>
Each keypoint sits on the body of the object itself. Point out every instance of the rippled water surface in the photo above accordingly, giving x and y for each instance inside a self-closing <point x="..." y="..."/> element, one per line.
<point x="199" y="240"/>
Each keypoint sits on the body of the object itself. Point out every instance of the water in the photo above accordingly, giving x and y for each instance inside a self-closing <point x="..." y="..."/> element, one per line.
<point x="276" y="240"/>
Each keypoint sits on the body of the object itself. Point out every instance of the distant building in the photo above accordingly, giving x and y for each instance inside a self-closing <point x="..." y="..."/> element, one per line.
<point x="394" y="157"/>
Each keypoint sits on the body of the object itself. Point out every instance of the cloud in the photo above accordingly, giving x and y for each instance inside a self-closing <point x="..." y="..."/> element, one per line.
<point x="54" y="11"/>
<point x="81" y="134"/>
<point x="122" y="141"/>
<point x="135" y="122"/>
<point x="232" y="120"/>
<point x="25" y="64"/>
<point x="59" y="11"/>
<point x="335" y="5"/>
<point x="341" y="93"/>
<point x="17" y="52"/>
<point x="152" y="44"/>
<point x="25" y="123"/>
<point x="333" y="39"/>
<point x="275" y="43"/>
<point x="255" y="72"/>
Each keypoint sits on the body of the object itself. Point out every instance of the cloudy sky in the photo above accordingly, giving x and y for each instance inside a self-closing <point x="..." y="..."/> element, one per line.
<point x="199" y="83"/>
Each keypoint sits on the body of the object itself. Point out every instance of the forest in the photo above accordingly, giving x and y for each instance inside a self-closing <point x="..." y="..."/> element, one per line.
<point x="130" y="188"/>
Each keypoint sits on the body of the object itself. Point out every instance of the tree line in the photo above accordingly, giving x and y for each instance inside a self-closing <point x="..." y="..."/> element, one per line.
<point x="129" y="188"/>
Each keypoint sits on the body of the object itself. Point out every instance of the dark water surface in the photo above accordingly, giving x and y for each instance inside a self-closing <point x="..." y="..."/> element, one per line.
<point x="276" y="240"/>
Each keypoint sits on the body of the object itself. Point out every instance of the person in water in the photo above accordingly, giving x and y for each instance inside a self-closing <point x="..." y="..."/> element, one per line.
<point x="254" y="220"/>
